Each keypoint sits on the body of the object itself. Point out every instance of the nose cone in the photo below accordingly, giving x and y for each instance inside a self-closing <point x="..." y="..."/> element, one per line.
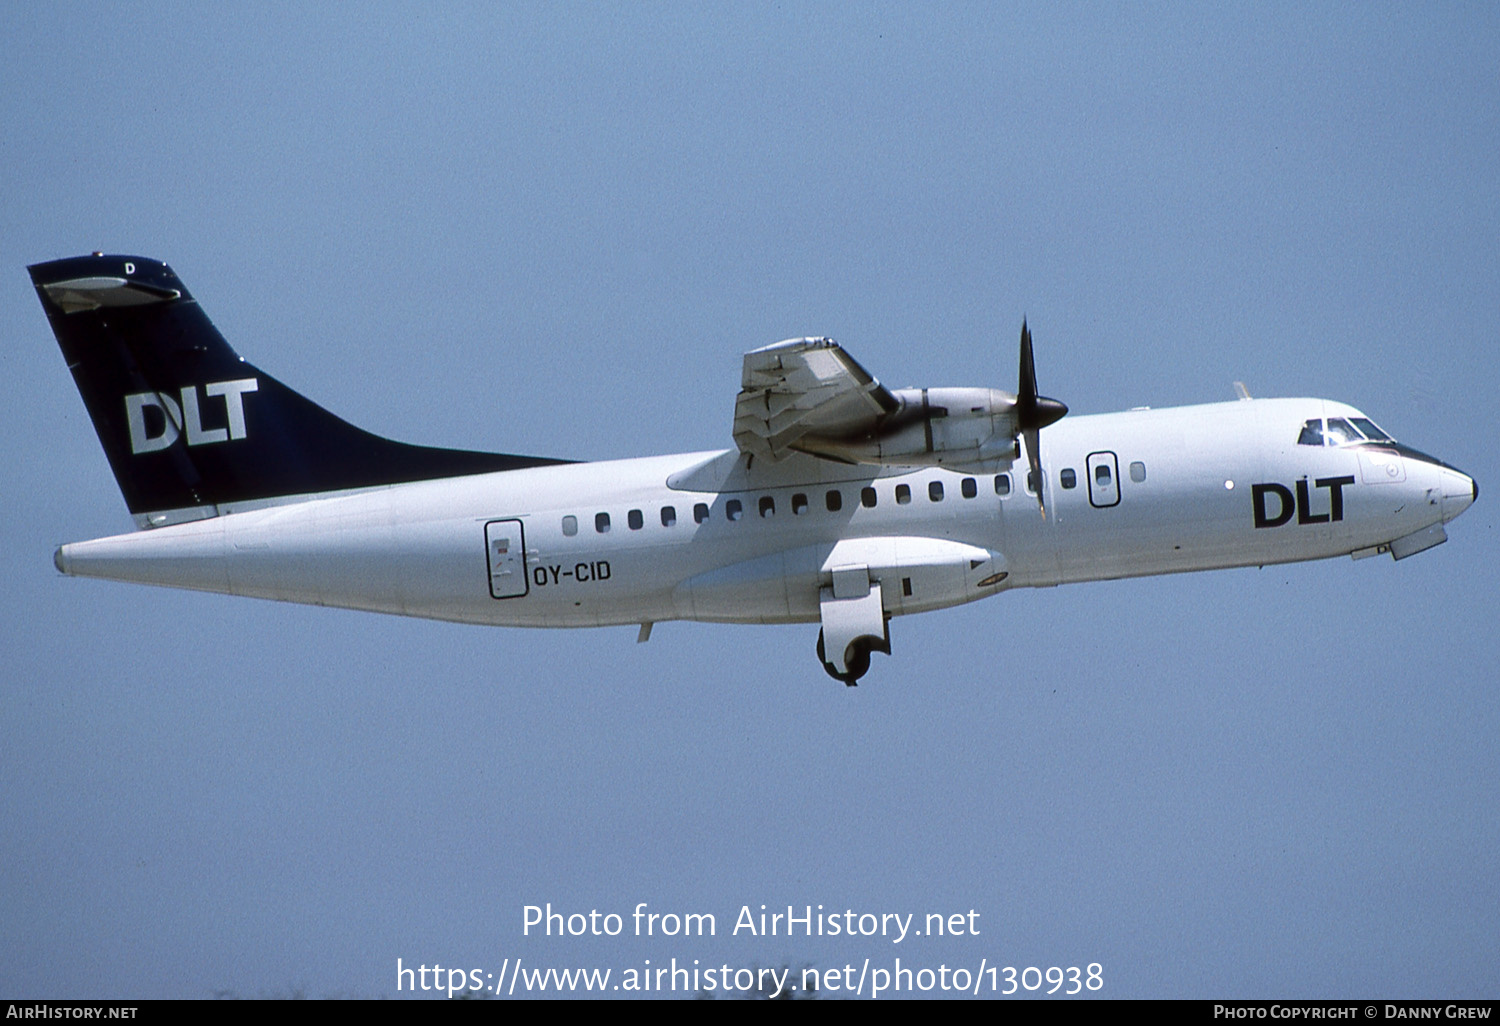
<point x="1459" y="492"/>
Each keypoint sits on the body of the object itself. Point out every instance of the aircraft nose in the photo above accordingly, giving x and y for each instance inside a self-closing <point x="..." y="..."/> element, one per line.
<point x="1459" y="492"/>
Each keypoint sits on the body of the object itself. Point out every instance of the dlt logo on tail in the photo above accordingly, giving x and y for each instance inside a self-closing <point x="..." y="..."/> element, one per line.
<point x="187" y="417"/>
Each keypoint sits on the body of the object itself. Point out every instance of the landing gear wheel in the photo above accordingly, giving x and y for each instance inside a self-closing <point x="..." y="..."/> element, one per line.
<point x="856" y="657"/>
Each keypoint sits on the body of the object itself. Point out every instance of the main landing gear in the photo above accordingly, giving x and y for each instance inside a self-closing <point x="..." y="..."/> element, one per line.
<point x="856" y="657"/>
<point x="854" y="624"/>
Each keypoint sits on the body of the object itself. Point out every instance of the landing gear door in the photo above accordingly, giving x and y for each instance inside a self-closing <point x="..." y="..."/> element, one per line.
<point x="505" y="542"/>
<point x="1104" y="480"/>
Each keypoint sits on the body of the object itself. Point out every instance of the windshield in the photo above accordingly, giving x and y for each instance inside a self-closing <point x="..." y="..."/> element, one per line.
<point x="1341" y="431"/>
<point x="1371" y="431"/>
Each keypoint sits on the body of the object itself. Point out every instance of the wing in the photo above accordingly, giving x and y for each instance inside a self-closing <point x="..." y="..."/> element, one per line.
<point x="805" y="386"/>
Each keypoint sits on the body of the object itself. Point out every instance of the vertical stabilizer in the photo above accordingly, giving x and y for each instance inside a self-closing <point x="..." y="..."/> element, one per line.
<point x="186" y="423"/>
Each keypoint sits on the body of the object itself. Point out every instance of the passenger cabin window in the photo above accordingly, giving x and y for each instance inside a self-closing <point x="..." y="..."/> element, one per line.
<point x="1002" y="484"/>
<point x="668" y="516"/>
<point x="1069" y="478"/>
<point x="570" y="525"/>
<point x="1102" y="475"/>
<point x="867" y="498"/>
<point x="1137" y="472"/>
<point x="935" y="491"/>
<point x="767" y="506"/>
<point x="968" y="487"/>
<point x="700" y="512"/>
<point x="1030" y="483"/>
<point x="733" y="509"/>
<point x="601" y="523"/>
<point x="903" y="494"/>
<point x="635" y="520"/>
<point x="799" y="504"/>
<point x="834" y="500"/>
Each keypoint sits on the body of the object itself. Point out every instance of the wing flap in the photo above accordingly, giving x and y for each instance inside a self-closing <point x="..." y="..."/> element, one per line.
<point x="805" y="386"/>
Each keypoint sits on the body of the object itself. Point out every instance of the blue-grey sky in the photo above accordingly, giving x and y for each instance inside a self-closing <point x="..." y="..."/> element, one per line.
<point x="554" y="229"/>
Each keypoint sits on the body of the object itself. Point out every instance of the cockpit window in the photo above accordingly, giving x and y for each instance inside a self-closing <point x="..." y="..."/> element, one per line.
<point x="1341" y="431"/>
<point x="1372" y="432"/>
<point x="1312" y="433"/>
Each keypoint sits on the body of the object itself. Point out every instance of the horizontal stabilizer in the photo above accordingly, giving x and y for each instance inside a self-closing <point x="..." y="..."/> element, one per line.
<point x="79" y="294"/>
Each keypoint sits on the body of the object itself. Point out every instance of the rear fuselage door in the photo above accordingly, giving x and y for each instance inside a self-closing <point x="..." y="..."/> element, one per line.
<point x="505" y="541"/>
<point x="1104" y="479"/>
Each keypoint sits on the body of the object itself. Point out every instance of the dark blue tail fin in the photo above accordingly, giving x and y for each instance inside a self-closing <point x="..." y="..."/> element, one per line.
<point x="188" y="425"/>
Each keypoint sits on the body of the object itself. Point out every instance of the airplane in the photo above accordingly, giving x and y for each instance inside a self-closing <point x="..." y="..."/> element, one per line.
<point x="844" y="503"/>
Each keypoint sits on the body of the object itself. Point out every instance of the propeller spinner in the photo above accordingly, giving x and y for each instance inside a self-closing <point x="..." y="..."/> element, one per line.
<point x="1034" y="412"/>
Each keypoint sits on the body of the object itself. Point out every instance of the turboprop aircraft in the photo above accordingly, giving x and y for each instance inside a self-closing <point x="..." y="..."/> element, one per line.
<point x="844" y="503"/>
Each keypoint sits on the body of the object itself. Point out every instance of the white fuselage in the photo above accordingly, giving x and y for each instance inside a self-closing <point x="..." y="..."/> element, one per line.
<point x="1153" y="491"/>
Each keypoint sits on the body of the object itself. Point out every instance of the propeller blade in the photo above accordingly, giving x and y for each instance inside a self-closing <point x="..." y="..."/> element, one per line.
<point x="1034" y="412"/>
<point x="1033" y="439"/>
<point x="1026" y="394"/>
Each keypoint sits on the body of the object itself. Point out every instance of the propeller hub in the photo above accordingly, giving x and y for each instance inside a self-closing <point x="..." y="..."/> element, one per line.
<point x="1046" y="412"/>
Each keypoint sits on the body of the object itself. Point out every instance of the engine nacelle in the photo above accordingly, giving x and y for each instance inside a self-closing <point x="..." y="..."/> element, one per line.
<point x="932" y="427"/>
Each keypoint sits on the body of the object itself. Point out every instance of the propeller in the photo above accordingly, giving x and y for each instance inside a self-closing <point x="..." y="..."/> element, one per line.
<point x="1034" y="412"/>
